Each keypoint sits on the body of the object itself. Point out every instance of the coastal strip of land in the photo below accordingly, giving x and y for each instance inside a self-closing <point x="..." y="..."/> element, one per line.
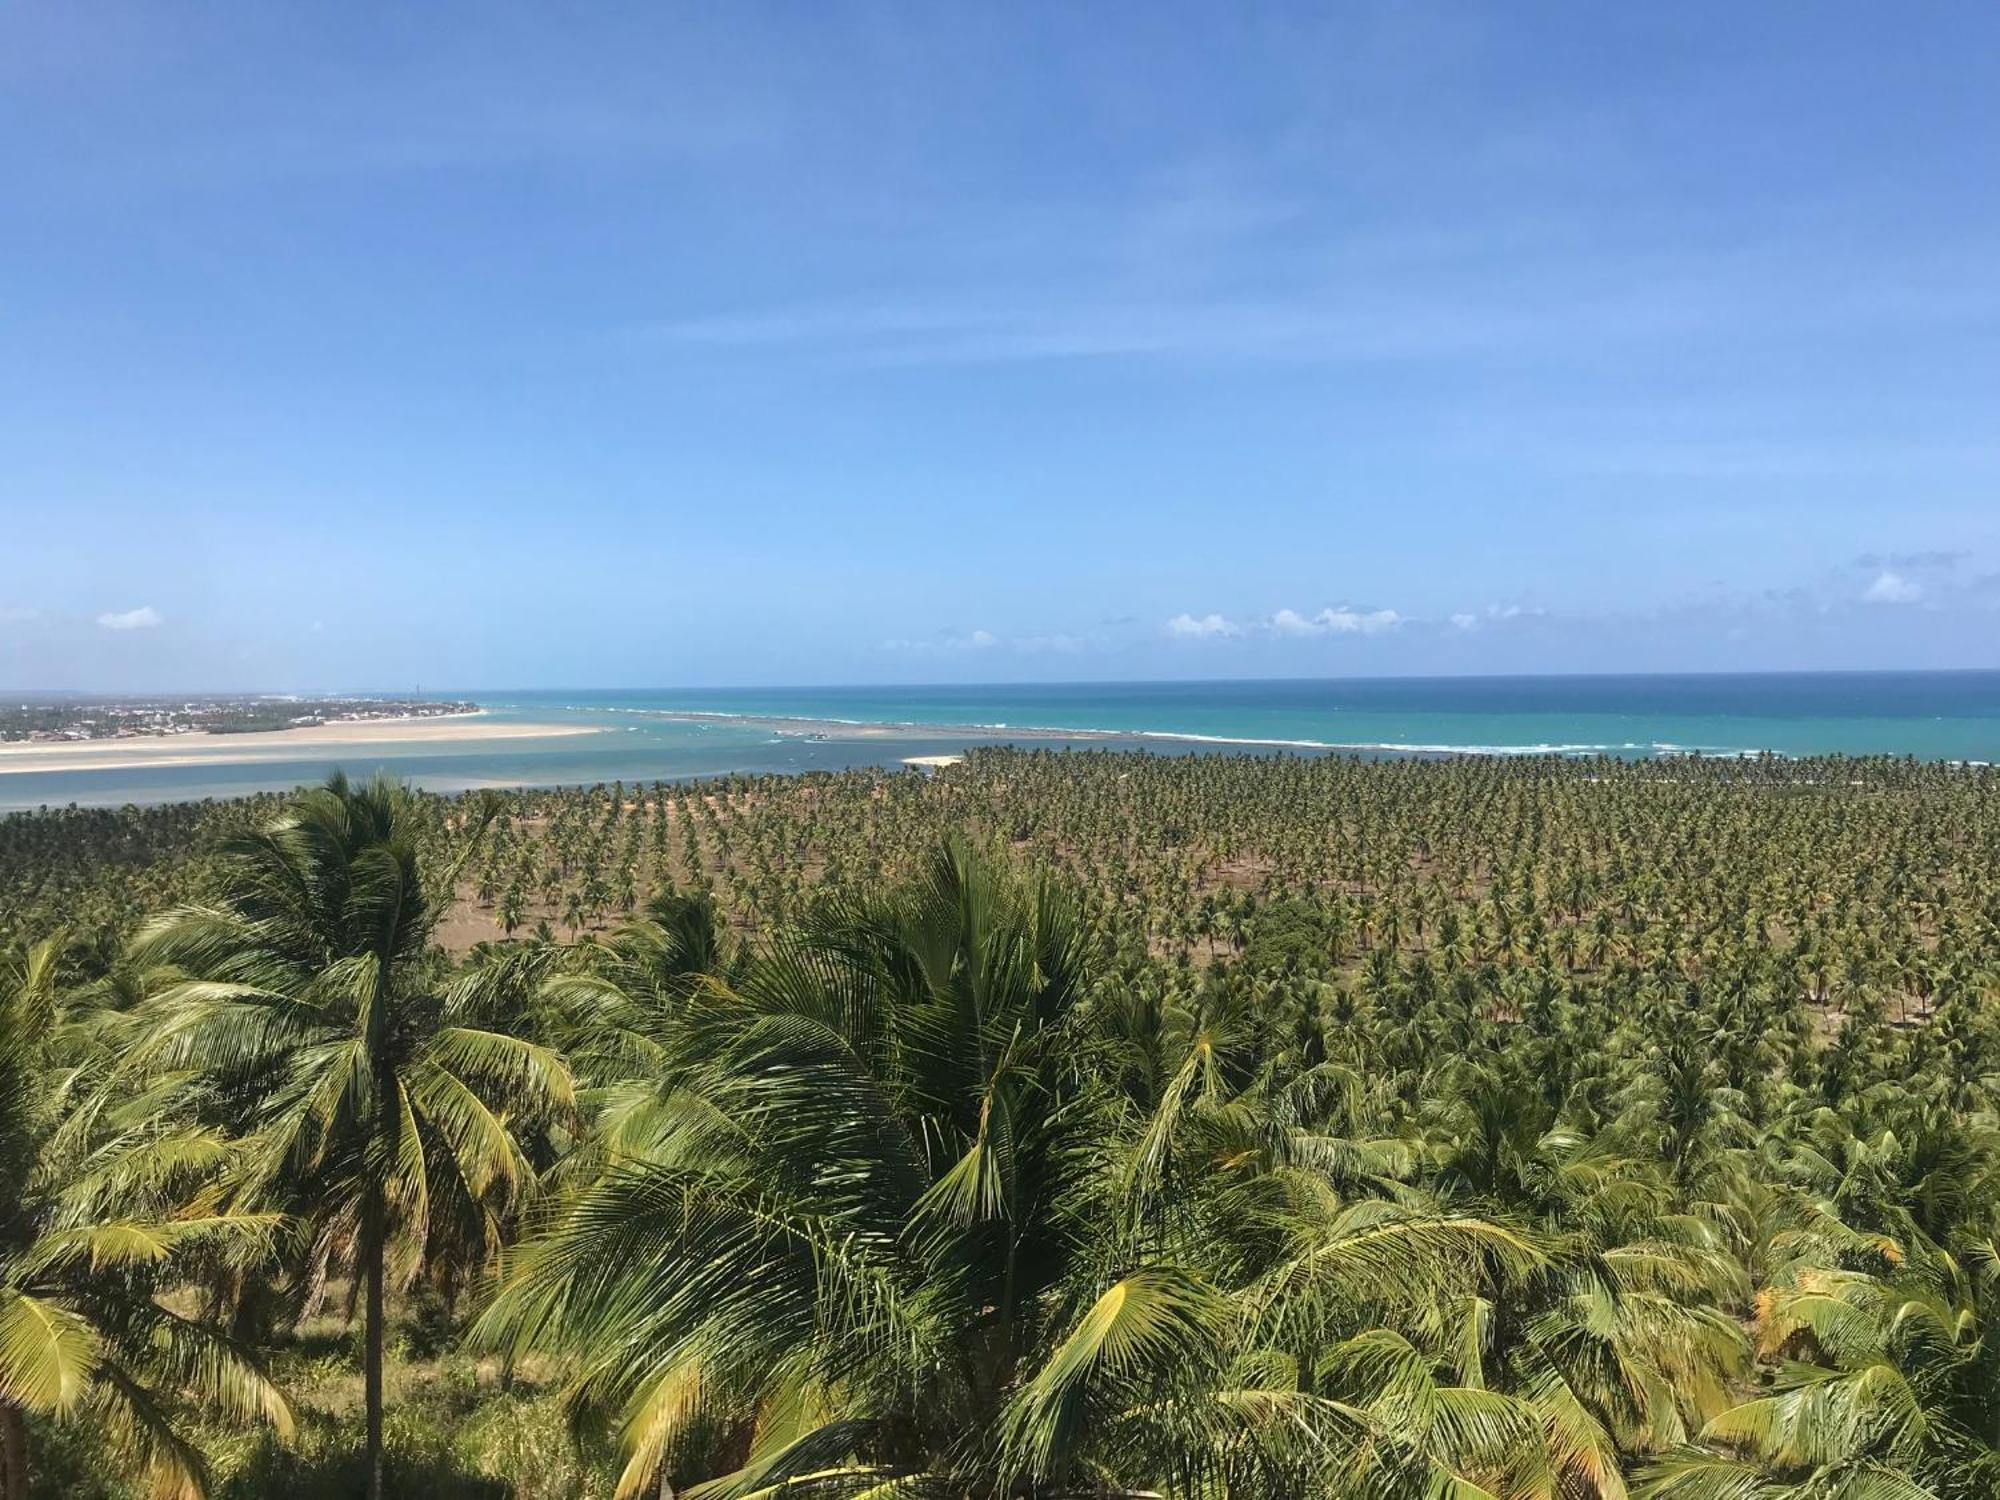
<point x="200" y="748"/>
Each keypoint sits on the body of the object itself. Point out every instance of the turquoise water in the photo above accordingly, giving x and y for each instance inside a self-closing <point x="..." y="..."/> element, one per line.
<point x="1931" y="715"/>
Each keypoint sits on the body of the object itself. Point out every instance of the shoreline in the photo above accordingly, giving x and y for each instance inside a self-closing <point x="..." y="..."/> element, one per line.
<point x="205" y="747"/>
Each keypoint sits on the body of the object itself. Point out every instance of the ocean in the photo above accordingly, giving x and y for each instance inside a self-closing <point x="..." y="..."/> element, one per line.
<point x="1930" y="715"/>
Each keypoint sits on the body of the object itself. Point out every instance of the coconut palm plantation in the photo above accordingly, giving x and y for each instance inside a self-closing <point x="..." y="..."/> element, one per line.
<point x="1056" y="1124"/>
<point x="882" y="751"/>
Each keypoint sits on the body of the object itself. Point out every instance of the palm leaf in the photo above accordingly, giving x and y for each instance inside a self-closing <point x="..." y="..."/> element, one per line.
<point x="48" y="1354"/>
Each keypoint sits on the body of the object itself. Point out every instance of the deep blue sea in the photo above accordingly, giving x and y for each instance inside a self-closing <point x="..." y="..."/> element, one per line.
<point x="1930" y="715"/>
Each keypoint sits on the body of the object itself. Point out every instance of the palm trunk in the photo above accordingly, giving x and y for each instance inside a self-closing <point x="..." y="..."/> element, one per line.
<point x="372" y="1251"/>
<point x="13" y="1453"/>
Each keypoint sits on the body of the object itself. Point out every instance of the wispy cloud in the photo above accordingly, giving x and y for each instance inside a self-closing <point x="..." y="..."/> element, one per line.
<point x="1330" y="297"/>
<point x="1493" y="614"/>
<point x="1696" y="457"/>
<point x="1057" y="642"/>
<point x="145" y="617"/>
<point x="971" y="640"/>
<point x="1314" y="327"/>
<point x="986" y="640"/>
<point x="1935" y="558"/>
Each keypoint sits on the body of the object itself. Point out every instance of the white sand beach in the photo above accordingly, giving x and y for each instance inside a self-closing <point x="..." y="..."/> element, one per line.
<point x="267" y="745"/>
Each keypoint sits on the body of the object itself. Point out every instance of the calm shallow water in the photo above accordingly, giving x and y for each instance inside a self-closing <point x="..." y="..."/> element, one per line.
<point x="1931" y="715"/>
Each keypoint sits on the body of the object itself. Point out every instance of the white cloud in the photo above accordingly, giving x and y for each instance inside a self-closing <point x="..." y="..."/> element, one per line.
<point x="1342" y="620"/>
<point x="1465" y="621"/>
<point x="1892" y="588"/>
<point x="145" y="617"/>
<point x="1208" y="627"/>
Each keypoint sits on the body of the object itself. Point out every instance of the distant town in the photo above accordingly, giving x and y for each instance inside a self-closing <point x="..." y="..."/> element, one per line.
<point x="60" y="719"/>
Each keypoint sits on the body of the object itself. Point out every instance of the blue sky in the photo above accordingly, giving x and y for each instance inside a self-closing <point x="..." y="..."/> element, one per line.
<point x="376" y="346"/>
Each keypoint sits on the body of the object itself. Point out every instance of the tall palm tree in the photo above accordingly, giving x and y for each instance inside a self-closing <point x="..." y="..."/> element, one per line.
<point x="308" y="991"/>
<point x="103" y="1208"/>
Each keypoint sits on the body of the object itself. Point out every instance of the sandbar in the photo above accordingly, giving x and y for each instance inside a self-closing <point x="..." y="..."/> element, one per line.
<point x="203" y="748"/>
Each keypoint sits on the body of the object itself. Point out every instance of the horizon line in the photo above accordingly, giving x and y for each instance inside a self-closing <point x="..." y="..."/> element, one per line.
<point x="462" y="692"/>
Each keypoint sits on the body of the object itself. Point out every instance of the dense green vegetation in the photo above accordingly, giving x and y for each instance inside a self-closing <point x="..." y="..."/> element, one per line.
<point x="1056" y="1124"/>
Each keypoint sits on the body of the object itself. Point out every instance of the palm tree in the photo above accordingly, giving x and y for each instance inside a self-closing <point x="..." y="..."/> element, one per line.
<point x="865" y="1238"/>
<point x="1887" y="1384"/>
<point x="104" y="1207"/>
<point x="308" y="991"/>
<point x="513" y="908"/>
